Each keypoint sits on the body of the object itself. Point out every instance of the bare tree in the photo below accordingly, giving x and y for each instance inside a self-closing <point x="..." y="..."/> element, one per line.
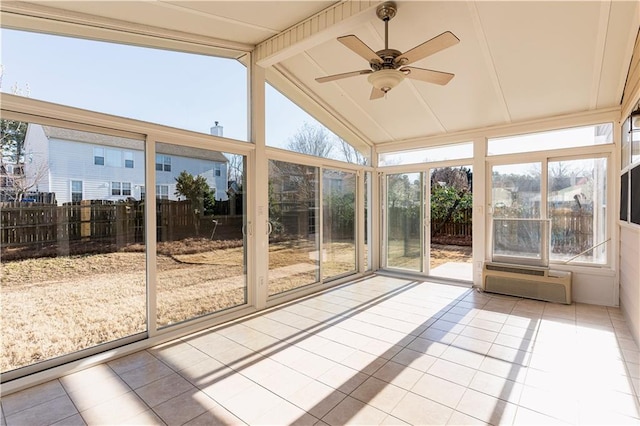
<point x="235" y="168"/>
<point x="351" y="154"/>
<point x="312" y="140"/>
<point x="24" y="177"/>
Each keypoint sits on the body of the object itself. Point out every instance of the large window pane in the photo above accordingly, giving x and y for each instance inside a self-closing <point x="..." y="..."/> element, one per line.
<point x="73" y="254"/>
<point x="302" y="133"/>
<point x="404" y="221"/>
<point x="515" y="199"/>
<point x="554" y="139"/>
<point x="635" y="138"/>
<point x="294" y="224"/>
<point x="577" y="209"/>
<point x="625" y="143"/>
<point x="515" y="190"/>
<point x="427" y="155"/>
<point x="200" y="220"/>
<point x="339" y="231"/>
<point x="178" y="89"/>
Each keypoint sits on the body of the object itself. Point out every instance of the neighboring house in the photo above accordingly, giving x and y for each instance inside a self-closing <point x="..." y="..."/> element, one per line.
<point x="90" y="166"/>
<point x="8" y="173"/>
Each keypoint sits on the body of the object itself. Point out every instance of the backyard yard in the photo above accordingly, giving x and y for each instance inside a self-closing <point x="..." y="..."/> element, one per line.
<point x="53" y="306"/>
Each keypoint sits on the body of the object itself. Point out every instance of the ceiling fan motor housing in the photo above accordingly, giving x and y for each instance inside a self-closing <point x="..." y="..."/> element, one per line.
<point x="387" y="60"/>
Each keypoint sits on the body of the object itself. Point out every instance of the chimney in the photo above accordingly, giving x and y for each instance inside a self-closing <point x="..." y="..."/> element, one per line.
<point x="216" y="130"/>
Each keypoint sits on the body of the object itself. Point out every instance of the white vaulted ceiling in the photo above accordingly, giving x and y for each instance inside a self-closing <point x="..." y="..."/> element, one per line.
<point x="516" y="61"/>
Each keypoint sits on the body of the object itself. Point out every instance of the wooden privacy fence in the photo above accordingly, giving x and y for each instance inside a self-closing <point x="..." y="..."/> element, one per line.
<point x="571" y="231"/>
<point x="90" y="220"/>
<point x="462" y="227"/>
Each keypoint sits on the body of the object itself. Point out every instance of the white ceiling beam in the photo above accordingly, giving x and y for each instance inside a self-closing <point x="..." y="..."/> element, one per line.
<point x="598" y="60"/>
<point x="36" y="17"/>
<point x="323" y="26"/>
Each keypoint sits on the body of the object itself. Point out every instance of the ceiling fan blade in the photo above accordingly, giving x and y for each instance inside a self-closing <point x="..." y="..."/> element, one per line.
<point x="430" y="76"/>
<point x="343" y="75"/>
<point x="358" y="46"/>
<point x="376" y="94"/>
<point x="429" y="47"/>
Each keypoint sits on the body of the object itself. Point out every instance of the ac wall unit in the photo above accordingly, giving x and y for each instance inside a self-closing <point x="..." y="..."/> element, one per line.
<point x="527" y="281"/>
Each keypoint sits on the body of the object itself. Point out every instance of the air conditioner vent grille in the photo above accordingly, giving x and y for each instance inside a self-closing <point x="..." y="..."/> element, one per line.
<point x="501" y="268"/>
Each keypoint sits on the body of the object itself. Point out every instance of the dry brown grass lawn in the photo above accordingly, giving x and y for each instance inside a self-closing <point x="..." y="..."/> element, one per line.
<point x="58" y="305"/>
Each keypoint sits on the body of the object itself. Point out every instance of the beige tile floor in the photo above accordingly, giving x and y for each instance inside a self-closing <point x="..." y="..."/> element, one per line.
<point x="380" y="351"/>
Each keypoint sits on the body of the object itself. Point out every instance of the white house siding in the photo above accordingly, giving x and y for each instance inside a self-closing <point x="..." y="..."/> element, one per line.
<point x="630" y="278"/>
<point x="69" y="160"/>
<point x="197" y="167"/>
<point x="70" y="156"/>
<point x="36" y="150"/>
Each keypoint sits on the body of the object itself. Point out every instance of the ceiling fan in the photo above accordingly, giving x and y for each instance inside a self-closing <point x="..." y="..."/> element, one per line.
<point x="388" y="66"/>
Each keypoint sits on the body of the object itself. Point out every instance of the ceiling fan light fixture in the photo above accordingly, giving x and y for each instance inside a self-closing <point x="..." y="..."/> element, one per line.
<point x="386" y="80"/>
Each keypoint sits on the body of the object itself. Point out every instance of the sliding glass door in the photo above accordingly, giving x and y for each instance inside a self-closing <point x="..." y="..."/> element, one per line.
<point x="427" y="222"/>
<point x="312" y="225"/>
<point x="73" y="245"/>
<point x="200" y="256"/>
<point x="404" y="221"/>
<point x="338" y="223"/>
<point x="294" y="247"/>
<point x="450" y="225"/>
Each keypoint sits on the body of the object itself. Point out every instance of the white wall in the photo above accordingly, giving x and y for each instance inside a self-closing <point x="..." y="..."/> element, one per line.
<point x="630" y="277"/>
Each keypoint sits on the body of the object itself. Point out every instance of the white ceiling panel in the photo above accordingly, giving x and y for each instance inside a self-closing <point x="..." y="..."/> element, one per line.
<point x="281" y="14"/>
<point x="542" y="51"/>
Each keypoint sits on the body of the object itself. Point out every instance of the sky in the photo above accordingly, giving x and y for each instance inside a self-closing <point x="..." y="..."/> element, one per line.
<point x="176" y="89"/>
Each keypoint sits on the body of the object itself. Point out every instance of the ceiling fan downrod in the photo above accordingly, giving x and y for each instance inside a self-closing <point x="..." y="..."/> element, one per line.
<point x="385" y="12"/>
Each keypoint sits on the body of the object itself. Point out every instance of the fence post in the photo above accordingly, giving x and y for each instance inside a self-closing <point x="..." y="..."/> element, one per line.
<point x="85" y="219"/>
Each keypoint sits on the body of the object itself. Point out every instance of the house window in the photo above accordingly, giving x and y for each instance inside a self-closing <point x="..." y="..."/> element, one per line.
<point x="76" y="191"/>
<point x="128" y="160"/>
<point x="121" y="188"/>
<point x="98" y="156"/>
<point x="143" y="192"/>
<point x="216" y="169"/>
<point x="162" y="192"/>
<point x="163" y="163"/>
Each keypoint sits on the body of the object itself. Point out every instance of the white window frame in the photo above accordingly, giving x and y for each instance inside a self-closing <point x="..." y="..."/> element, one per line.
<point x="116" y="186"/>
<point x="98" y="152"/>
<point x="71" y="191"/>
<point x="128" y="156"/>
<point x="160" y="192"/>
<point x="164" y="161"/>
